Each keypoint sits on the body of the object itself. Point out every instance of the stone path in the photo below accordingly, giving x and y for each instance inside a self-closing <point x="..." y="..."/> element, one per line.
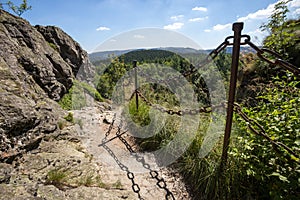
<point x="95" y="123"/>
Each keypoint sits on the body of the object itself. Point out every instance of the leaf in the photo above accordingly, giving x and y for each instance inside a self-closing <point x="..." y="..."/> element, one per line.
<point x="281" y="177"/>
<point x="294" y="158"/>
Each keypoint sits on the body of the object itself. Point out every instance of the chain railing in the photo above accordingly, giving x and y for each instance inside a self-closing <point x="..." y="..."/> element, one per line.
<point x="154" y="174"/>
<point x="206" y="109"/>
<point x="135" y="187"/>
<point x="260" y="52"/>
<point x="161" y="183"/>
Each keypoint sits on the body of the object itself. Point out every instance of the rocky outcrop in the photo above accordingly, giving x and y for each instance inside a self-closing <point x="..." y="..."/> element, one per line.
<point x="37" y="67"/>
<point x="47" y="54"/>
<point x="69" y="50"/>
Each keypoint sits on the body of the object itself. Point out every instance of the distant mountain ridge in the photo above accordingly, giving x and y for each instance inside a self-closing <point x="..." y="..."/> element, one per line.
<point x="103" y="55"/>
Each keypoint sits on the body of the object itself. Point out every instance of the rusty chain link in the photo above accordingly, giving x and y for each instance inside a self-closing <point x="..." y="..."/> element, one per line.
<point x="161" y="183"/>
<point x="206" y="109"/>
<point x="135" y="187"/>
<point x="251" y="123"/>
<point x="277" y="58"/>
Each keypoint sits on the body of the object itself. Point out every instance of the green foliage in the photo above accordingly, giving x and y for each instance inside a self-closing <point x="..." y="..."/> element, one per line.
<point x="69" y="117"/>
<point x="118" y="66"/>
<point x="76" y="97"/>
<point x="117" y="185"/>
<point x="100" y="183"/>
<point x="18" y="10"/>
<point x="281" y="35"/>
<point x="223" y="62"/>
<point x="107" y="81"/>
<point x="266" y="171"/>
<point x="147" y="56"/>
<point x="140" y="116"/>
<point x="86" y="180"/>
<point x="56" y="177"/>
<point x="203" y="175"/>
<point x="162" y="136"/>
<point x="53" y="46"/>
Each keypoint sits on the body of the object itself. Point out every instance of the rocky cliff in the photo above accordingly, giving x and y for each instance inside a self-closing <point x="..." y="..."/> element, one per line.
<point x="37" y="67"/>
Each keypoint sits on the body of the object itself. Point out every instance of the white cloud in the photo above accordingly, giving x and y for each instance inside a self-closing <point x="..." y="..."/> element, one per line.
<point x="294" y="4"/>
<point x="255" y="32"/>
<point x="177" y="17"/>
<point x="198" y="19"/>
<point x="294" y="7"/>
<point x="267" y="12"/>
<point x="260" y="14"/>
<point x="103" y="28"/>
<point x="297" y="12"/>
<point x="112" y="40"/>
<point x="220" y="27"/>
<point x="139" y="36"/>
<point x="257" y="36"/>
<point x="174" y="26"/>
<point x="199" y="9"/>
<point x="207" y="30"/>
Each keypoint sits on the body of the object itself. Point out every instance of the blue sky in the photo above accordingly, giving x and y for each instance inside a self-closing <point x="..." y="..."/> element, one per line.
<point x="207" y="22"/>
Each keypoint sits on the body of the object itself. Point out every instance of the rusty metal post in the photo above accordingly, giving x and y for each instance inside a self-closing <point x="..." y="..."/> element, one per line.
<point x="136" y="85"/>
<point x="237" y="28"/>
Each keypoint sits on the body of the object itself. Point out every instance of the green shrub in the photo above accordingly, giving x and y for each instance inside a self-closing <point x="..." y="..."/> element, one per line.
<point x="56" y="177"/>
<point x="117" y="185"/>
<point x="53" y="46"/>
<point x="268" y="172"/>
<point x="69" y="117"/>
<point x="75" y="98"/>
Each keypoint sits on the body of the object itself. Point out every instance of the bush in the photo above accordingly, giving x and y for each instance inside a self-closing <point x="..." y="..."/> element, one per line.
<point x="75" y="98"/>
<point x="265" y="171"/>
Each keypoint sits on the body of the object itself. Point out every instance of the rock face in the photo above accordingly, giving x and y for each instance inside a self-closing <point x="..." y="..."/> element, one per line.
<point x="37" y="67"/>
<point x="69" y="50"/>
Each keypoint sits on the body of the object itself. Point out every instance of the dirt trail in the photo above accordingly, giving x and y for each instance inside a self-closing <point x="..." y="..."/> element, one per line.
<point x="94" y="126"/>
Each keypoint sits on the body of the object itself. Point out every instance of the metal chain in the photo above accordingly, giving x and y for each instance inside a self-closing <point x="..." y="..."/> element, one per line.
<point x="161" y="183"/>
<point x="206" y="109"/>
<point x="251" y="123"/>
<point x="135" y="187"/>
<point x="278" y="60"/>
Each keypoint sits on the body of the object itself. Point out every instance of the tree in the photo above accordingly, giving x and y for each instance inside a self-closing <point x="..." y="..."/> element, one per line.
<point x="19" y="10"/>
<point x="281" y="35"/>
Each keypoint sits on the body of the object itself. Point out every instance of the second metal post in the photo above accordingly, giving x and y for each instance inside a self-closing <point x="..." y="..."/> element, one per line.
<point x="136" y="85"/>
